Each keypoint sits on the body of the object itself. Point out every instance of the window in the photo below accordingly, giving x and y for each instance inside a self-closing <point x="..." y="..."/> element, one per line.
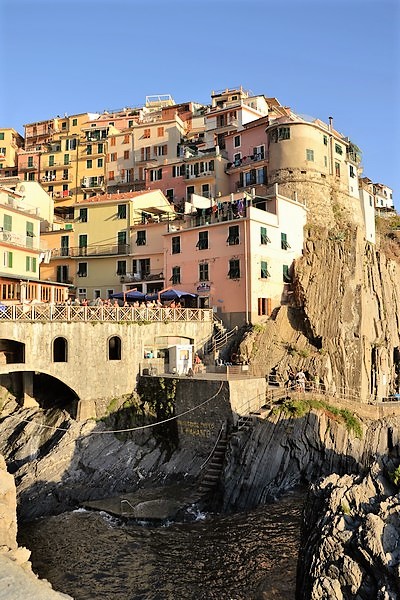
<point x="121" y="267"/>
<point x="89" y="149"/>
<point x="234" y="269"/>
<point x="286" y="274"/>
<point x="114" y="348"/>
<point x="141" y="238"/>
<point x="205" y="190"/>
<point x="64" y="245"/>
<point x="66" y="159"/>
<point x="121" y="211"/>
<point x="189" y="192"/>
<point x="202" y="244"/>
<point x="51" y="161"/>
<point x="145" y="153"/>
<point x="170" y="194"/>
<point x="203" y="272"/>
<point x="89" y="164"/>
<point x="82" y="269"/>
<point x="155" y="174"/>
<point x="146" y="133"/>
<point x="160" y="131"/>
<point x="130" y="123"/>
<point x="370" y="200"/>
<point x="29" y="234"/>
<point x="121" y="240"/>
<point x="352" y="172"/>
<point x="7" y="223"/>
<point x="99" y="162"/>
<point x="338" y="149"/>
<point x="8" y="259"/>
<point x="284" y="242"/>
<point x="325" y="161"/>
<point x="62" y="274"/>
<point x="2" y="135"/>
<point x="30" y="161"/>
<point x="309" y="154"/>
<point x="126" y="154"/>
<point x="176" y="245"/>
<point x="126" y="137"/>
<point x="82" y="240"/>
<point x="337" y="169"/>
<point x="31" y="176"/>
<point x="83" y="215"/>
<point x="236" y="141"/>
<point x="113" y="156"/>
<point x="100" y="148"/>
<point x="237" y="159"/>
<point x="258" y="153"/>
<point x="30" y="263"/>
<point x="325" y="140"/>
<point x="176" y="275"/>
<point x="60" y="350"/>
<point x="74" y="122"/>
<point x="264" y="239"/>
<point x="112" y="141"/>
<point x="70" y="144"/>
<point x="111" y="175"/>
<point x="233" y="236"/>
<point x="64" y="125"/>
<point x="281" y="133"/>
<point x="264" y="273"/>
<point x="263" y="306"/>
<point x="178" y="170"/>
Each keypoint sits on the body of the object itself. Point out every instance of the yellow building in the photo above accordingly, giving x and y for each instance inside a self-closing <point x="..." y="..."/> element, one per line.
<point x="10" y="142"/>
<point x="105" y="257"/>
<point x="21" y="252"/>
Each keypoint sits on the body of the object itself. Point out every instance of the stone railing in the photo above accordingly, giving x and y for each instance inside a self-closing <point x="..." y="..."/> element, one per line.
<point x="69" y="313"/>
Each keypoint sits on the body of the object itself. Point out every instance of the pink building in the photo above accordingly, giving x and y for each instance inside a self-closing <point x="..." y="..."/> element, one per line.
<point x="237" y="254"/>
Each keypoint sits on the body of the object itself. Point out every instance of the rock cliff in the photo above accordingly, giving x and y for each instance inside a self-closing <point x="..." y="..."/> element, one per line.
<point x="342" y="322"/>
<point x="350" y="545"/>
<point x="17" y="581"/>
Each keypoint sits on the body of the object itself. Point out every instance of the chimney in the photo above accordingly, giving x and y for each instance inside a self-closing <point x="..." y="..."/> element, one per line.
<point x="330" y="123"/>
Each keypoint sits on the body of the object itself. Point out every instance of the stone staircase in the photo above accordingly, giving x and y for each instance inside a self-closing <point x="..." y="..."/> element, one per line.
<point x="213" y="467"/>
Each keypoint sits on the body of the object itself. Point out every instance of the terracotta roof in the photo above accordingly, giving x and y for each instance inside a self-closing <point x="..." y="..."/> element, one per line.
<point x="120" y="196"/>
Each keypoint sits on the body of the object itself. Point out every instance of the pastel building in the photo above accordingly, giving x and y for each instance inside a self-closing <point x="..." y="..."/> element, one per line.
<point x="109" y="246"/>
<point x="21" y="251"/>
<point x="10" y="142"/>
<point x="237" y="255"/>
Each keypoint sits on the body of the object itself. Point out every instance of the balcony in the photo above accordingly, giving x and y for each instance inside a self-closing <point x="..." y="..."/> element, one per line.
<point x="22" y="241"/>
<point x="57" y="165"/>
<point x="142" y="276"/>
<point x="77" y="252"/>
<point x="249" y="160"/>
<point x="32" y="167"/>
<point x="93" y="182"/>
<point x="204" y="175"/>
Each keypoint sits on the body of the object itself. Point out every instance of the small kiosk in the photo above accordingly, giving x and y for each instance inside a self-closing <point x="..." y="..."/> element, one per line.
<point x="180" y="358"/>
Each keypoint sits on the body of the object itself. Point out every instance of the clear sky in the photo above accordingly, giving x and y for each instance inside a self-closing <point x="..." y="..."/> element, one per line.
<point x="320" y="57"/>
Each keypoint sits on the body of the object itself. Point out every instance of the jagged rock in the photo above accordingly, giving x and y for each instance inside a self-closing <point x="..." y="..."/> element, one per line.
<point x="17" y="581"/>
<point x="350" y="545"/>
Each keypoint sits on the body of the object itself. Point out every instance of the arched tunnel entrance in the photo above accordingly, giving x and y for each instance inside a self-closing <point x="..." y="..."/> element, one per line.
<point x="47" y="391"/>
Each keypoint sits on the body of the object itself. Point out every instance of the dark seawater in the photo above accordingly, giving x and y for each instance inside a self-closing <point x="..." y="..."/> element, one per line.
<point x="245" y="556"/>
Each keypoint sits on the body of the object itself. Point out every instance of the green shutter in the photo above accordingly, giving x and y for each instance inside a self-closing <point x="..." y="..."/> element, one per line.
<point x="10" y="259"/>
<point x="27" y="263"/>
<point x="34" y="260"/>
<point x="7" y="223"/>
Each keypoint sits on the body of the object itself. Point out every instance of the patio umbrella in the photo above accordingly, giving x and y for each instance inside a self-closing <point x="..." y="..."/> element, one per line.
<point x="129" y="296"/>
<point x="173" y="294"/>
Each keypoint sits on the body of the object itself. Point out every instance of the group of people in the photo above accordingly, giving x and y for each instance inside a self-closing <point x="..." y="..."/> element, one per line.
<point x="115" y="303"/>
<point x="296" y="380"/>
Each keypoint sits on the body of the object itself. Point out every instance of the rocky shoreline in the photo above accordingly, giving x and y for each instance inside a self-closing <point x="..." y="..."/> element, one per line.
<point x="350" y="541"/>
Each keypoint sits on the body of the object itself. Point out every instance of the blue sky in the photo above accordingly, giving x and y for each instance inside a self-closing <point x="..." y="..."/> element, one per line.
<point x="320" y="57"/>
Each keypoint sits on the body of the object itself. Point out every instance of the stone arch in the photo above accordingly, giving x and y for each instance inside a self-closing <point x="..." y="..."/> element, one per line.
<point x="11" y="352"/>
<point x="60" y="349"/>
<point x="114" y="347"/>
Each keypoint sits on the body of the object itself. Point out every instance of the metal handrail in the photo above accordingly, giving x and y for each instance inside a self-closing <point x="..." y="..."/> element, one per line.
<point x="223" y="427"/>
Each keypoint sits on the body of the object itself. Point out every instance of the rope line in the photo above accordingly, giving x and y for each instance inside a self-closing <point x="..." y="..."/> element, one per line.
<point x="131" y="428"/>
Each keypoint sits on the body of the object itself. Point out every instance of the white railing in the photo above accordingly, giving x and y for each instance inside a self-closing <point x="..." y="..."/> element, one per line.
<point x="60" y="312"/>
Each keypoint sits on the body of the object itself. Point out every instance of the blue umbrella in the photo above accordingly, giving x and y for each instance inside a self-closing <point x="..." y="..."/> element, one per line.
<point x="173" y="294"/>
<point x="132" y="295"/>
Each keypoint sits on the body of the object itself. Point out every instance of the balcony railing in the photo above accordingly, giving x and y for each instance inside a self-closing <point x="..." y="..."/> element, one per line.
<point x="43" y="312"/>
<point x="21" y="241"/>
<point x="92" y="182"/>
<point x="73" y="252"/>
<point x="249" y="160"/>
<point x="142" y="276"/>
<point x="199" y="175"/>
